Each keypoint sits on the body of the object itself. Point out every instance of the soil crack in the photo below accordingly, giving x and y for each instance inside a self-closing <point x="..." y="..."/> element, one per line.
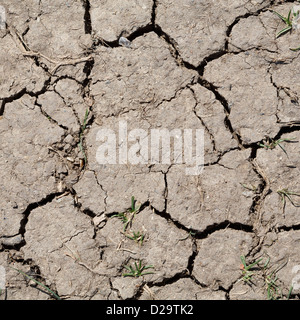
<point x="48" y="199"/>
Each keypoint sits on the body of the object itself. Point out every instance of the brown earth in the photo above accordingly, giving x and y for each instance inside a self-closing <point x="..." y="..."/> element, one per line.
<point x="189" y="65"/>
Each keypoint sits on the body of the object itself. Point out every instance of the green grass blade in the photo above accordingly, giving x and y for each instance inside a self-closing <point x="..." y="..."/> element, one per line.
<point x="263" y="145"/>
<point x="85" y="119"/>
<point x="128" y="275"/>
<point x="128" y="268"/>
<point x="39" y="283"/>
<point x="243" y="262"/>
<point x="289" y="18"/>
<point x="285" y="140"/>
<point x="290" y="292"/>
<point x="145" y="273"/>
<point x="283" y="31"/>
<point x="288" y="196"/>
<point x="292" y="193"/>
<point x="295" y="49"/>
<point x="136" y="266"/>
<point x="267" y="263"/>
<point x="148" y="267"/>
<point x="283" y="200"/>
<point x="282" y="148"/>
<point x="253" y="264"/>
<point x="142" y="239"/>
<point x="269" y="294"/>
<point x="129" y="237"/>
<point x="281" y="17"/>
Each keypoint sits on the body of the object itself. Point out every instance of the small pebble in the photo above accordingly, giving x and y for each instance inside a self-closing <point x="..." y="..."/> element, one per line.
<point x="124" y="42"/>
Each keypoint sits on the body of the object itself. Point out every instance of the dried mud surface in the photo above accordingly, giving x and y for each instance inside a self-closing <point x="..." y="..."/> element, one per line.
<point x="191" y="64"/>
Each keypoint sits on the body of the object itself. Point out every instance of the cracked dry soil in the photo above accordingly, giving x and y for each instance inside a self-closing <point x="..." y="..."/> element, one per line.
<point x="211" y="65"/>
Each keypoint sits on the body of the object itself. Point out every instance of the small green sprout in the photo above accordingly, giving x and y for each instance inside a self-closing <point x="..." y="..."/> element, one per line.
<point x="287" y="21"/>
<point x="269" y="276"/>
<point x="191" y="234"/>
<point x="271" y="285"/>
<point x="271" y="144"/>
<point x="138" y="271"/>
<point x="134" y="208"/>
<point x="285" y="193"/>
<point x="290" y="292"/>
<point x="291" y="21"/>
<point x="137" y="237"/>
<point x="274" y="291"/>
<point x="122" y="216"/>
<point x="128" y="216"/>
<point x="246" y="269"/>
